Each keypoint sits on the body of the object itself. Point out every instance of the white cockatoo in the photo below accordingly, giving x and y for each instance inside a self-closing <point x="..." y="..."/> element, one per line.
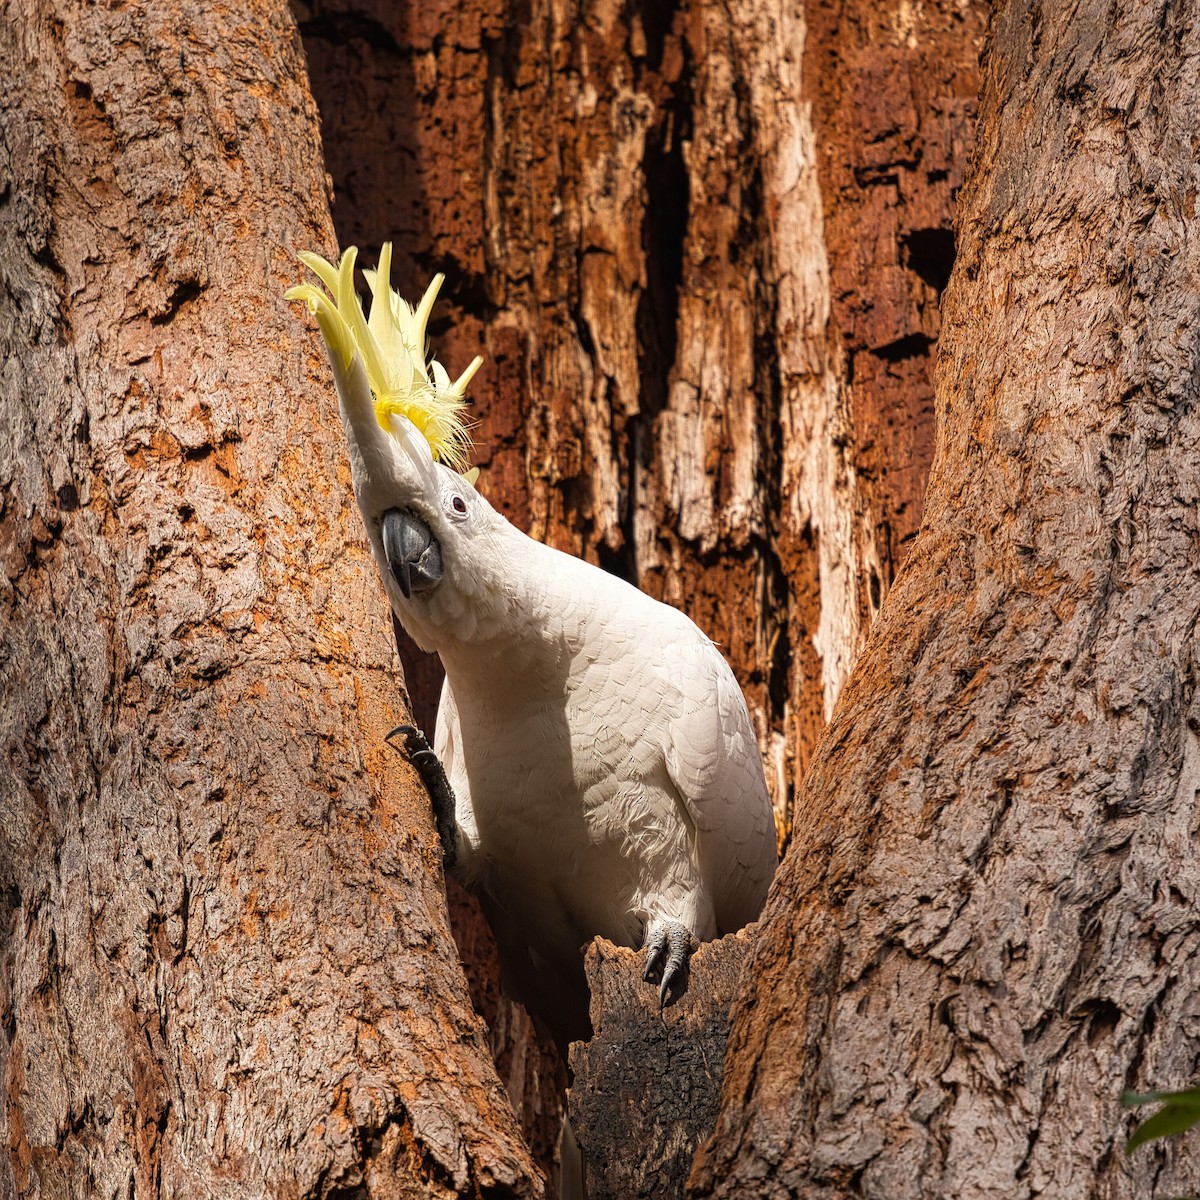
<point x="604" y="773"/>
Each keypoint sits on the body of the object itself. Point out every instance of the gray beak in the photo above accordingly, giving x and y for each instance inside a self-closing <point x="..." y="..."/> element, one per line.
<point x="412" y="552"/>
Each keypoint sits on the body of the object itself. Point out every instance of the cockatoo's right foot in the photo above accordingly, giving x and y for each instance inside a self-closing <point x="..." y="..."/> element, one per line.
<point x="670" y="947"/>
<point x="430" y="768"/>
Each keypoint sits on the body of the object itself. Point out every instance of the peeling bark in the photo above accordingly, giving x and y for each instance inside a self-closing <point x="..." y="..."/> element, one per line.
<point x="227" y="966"/>
<point x="893" y="89"/>
<point x="985" y="927"/>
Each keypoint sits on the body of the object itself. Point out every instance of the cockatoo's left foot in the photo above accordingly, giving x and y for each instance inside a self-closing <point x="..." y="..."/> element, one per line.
<point x="430" y="768"/>
<point x="670" y="946"/>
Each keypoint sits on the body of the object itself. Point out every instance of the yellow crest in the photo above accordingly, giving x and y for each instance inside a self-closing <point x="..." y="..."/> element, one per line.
<point x="392" y="346"/>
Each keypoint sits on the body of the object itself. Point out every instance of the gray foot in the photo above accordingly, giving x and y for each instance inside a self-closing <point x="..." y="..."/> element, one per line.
<point x="670" y="947"/>
<point x="430" y="768"/>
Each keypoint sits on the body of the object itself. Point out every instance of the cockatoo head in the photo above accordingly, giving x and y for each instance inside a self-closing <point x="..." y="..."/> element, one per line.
<point x="407" y="439"/>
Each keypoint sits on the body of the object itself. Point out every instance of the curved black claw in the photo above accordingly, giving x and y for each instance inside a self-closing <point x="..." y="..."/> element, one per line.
<point x="408" y="731"/>
<point x="433" y="775"/>
<point x="657" y="950"/>
<point x="669" y="946"/>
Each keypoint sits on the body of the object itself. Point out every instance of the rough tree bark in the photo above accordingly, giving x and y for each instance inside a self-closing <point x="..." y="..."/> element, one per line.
<point x="986" y="925"/>
<point x="226" y="962"/>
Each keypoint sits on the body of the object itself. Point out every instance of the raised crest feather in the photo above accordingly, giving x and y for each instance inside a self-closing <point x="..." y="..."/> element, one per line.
<point x="392" y="345"/>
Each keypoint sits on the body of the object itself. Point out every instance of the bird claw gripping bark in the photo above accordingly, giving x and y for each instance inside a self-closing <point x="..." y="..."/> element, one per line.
<point x="670" y="946"/>
<point x="430" y="768"/>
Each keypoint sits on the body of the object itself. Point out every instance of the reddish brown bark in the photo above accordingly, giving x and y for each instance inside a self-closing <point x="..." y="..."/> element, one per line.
<point x="893" y="88"/>
<point x="227" y="966"/>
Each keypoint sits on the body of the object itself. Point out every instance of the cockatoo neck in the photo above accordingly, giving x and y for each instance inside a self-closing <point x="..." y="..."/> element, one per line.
<point x="508" y="619"/>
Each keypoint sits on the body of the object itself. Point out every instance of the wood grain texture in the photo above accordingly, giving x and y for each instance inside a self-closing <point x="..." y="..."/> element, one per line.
<point x="985" y="927"/>
<point x="227" y="966"/>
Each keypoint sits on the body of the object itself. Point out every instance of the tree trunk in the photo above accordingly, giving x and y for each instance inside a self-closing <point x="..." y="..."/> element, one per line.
<point x="227" y="966"/>
<point x="986" y="926"/>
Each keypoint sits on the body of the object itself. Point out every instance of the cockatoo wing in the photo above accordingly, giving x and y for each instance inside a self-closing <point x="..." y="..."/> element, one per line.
<point x="712" y="758"/>
<point x="445" y="738"/>
<point x="447" y="745"/>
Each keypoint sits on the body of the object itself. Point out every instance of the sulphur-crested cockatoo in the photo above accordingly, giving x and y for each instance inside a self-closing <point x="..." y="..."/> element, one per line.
<point x="604" y="773"/>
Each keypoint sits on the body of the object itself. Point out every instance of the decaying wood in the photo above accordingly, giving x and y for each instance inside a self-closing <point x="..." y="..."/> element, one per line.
<point x="986" y="926"/>
<point x="893" y="90"/>
<point x="226" y="967"/>
<point x="645" y="1089"/>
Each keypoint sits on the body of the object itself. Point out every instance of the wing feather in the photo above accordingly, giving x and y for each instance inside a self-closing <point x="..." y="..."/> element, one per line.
<point x="712" y="758"/>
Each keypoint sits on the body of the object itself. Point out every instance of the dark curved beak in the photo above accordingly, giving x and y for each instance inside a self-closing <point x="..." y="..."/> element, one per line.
<point x="413" y="555"/>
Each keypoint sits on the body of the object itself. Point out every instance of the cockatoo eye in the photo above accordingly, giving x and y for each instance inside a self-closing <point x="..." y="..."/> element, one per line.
<point x="459" y="505"/>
